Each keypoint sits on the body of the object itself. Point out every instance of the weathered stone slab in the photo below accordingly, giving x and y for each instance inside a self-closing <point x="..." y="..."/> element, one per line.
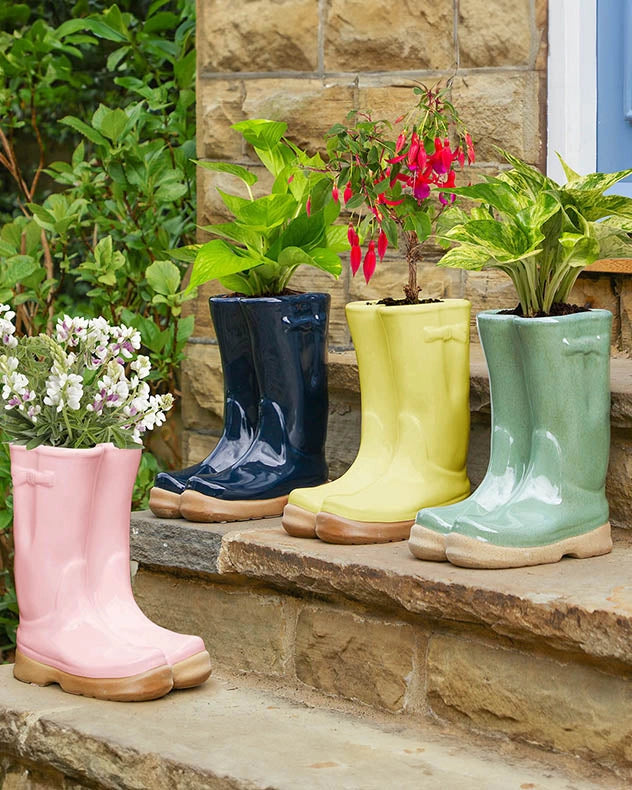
<point x="504" y="39"/>
<point x="357" y="657"/>
<point x="551" y="604"/>
<point x="530" y="697"/>
<point x="229" y="736"/>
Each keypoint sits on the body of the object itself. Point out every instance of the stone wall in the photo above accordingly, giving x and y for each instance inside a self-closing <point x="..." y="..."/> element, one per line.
<point x="309" y="62"/>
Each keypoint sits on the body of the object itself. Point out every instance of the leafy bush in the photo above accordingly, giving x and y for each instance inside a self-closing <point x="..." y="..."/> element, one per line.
<point x="97" y="127"/>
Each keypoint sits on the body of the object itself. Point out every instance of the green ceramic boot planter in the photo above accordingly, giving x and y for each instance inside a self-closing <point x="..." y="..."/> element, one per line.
<point x="560" y="507"/>
<point x="510" y="439"/>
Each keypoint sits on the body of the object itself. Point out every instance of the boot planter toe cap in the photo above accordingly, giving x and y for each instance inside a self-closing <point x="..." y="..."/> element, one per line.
<point x="299" y="522"/>
<point x="163" y="503"/>
<point x="207" y="509"/>
<point x="427" y="544"/>
<point x="331" y="528"/>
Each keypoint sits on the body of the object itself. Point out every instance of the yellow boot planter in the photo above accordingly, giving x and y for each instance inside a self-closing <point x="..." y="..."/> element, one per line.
<point x="428" y="347"/>
<point x="379" y="422"/>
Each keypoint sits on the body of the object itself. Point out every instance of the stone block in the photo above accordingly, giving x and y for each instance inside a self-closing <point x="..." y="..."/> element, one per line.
<point x="343" y="433"/>
<point x="258" y="35"/>
<point x="211" y="208"/>
<point x="541" y="26"/>
<point x="565" y="706"/>
<point x="310" y="107"/>
<point x="219" y="105"/>
<point x="242" y="630"/>
<point x="388" y="36"/>
<point x="504" y="38"/>
<point x="626" y="315"/>
<point x="356" y="657"/>
<point x="202" y="388"/>
<point x="619" y="480"/>
<point x="391" y="275"/>
<point x="501" y="109"/>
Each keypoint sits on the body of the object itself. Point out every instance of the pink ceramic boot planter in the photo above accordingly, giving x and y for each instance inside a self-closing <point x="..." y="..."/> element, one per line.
<point x="61" y="637"/>
<point x="109" y="572"/>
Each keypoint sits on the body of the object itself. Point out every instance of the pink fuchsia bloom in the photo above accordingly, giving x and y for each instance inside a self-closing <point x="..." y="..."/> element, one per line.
<point x="382" y="244"/>
<point x="401" y="142"/>
<point x="308" y="206"/>
<point x="348" y="193"/>
<point x="334" y="193"/>
<point x="421" y="188"/>
<point x="369" y="262"/>
<point x="355" y="258"/>
<point x="352" y="236"/>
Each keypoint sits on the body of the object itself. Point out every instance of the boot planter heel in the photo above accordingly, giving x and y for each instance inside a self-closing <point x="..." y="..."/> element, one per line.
<point x="289" y="348"/>
<point x="560" y="507"/>
<point x="241" y="399"/>
<point x="108" y="559"/>
<point x="379" y="422"/>
<point x="62" y="637"/>
<point x="510" y="439"/>
<point x="431" y="408"/>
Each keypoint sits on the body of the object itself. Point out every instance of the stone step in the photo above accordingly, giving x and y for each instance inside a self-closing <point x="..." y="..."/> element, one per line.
<point x="229" y="735"/>
<point x="541" y="655"/>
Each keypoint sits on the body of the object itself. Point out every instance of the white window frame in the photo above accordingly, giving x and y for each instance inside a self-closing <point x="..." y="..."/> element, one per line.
<point x="572" y="86"/>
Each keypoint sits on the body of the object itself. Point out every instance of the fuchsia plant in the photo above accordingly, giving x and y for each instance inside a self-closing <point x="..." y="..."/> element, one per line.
<point x="397" y="178"/>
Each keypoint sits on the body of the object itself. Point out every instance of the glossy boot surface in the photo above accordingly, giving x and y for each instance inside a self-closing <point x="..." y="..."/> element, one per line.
<point x="510" y="439"/>
<point x="560" y="507"/>
<point x="379" y="422"/>
<point x="289" y="341"/>
<point x="429" y="350"/>
<point x="241" y="401"/>
<point x="108" y="572"/>
<point x="62" y="638"/>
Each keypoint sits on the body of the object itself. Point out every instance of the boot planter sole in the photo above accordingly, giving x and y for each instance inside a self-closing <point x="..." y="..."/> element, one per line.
<point x="426" y="544"/>
<point x="136" y="688"/>
<point x="198" y="507"/>
<point x="471" y="553"/>
<point x="298" y="522"/>
<point x="336" y="529"/>
<point x="192" y="671"/>
<point x="164" y="504"/>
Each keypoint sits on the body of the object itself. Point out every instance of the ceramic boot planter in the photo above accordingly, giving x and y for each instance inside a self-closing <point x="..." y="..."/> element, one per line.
<point x="429" y="350"/>
<point x="560" y="508"/>
<point x="510" y="439"/>
<point x="289" y="342"/>
<point x="62" y="638"/>
<point x="241" y="399"/>
<point x="379" y="422"/>
<point x="108" y="558"/>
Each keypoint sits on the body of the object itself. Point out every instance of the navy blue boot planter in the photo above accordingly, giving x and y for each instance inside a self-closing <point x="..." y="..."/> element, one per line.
<point x="289" y="347"/>
<point x="241" y="405"/>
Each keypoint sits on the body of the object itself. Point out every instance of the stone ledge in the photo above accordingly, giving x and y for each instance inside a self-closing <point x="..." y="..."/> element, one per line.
<point x="581" y="606"/>
<point x="228" y="735"/>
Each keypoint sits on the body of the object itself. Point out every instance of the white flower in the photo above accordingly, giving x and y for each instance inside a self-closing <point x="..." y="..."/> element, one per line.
<point x="142" y="366"/>
<point x="127" y="340"/>
<point x="7" y="328"/>
<point x="64" y="389"/>
<point x="71" y="331"/>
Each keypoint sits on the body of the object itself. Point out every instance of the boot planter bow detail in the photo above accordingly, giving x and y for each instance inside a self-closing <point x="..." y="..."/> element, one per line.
<point x="273" y="352"/>
<point x="543" y="496"/>
<point x="413" y="363"/>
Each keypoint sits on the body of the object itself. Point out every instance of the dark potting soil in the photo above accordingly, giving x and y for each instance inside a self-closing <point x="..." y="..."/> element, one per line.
<point x="284" y="292"/>
<point x="390" y="302"/>
<point x="557" y="308"/>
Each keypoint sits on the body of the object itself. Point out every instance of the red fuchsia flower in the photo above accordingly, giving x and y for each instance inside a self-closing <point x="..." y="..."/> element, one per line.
<point x="382" y="244"/>
<point x="441" y="160"/>
<point x="471" y="158"/>
<point x="308" y="206"/>
<point x="334" y="193"/>
<point x="348" y="193"/>
<point x="421" y="157"/>
<point x="353" y="237"/>
<point x="401" y="142"/>
<point x="395" y="159"/>
<point x="450" y="181"/>
<point x="460" y="156"/>
<point x="413" y="151"/>
<point x="355" y="258"/>
<point x="369" y="262"/>
<point x="421" y="189"/>
<point x="290" y="179"/>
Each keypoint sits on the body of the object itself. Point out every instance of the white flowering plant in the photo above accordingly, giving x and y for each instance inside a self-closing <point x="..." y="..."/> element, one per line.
<point x="84" y="385"/>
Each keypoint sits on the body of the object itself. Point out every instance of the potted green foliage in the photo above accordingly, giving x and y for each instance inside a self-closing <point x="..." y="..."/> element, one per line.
<point x="272" y="340"/>
<point x="544" y="492"/>
<point x="413" y="354"/>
